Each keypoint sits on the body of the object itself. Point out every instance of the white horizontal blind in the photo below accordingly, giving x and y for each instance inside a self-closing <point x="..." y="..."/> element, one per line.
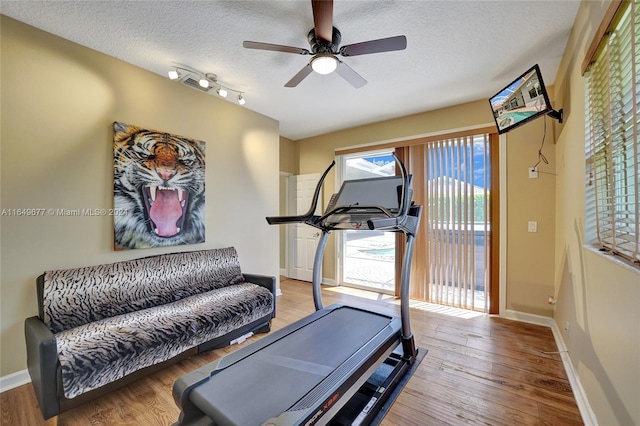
<point x="612" y="106"/>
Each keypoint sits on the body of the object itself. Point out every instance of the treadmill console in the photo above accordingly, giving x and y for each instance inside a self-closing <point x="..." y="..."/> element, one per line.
<point x="361" y="200"/>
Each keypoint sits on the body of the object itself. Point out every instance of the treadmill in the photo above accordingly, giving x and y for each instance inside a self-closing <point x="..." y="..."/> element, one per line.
<point x="337" y="366"/>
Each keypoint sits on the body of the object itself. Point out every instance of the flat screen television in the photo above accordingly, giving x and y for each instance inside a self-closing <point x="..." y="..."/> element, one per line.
<point x="521" y="101"/>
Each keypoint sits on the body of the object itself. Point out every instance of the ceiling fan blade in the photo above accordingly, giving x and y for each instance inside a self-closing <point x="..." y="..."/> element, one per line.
<point x="352" y="77"/>
<point x="274" y="47"/>
<point x="301" y="75"/>
<point x="323" y="19"/>
<point x="375" y="46"/>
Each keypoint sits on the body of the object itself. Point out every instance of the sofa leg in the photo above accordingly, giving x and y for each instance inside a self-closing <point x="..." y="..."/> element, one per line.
<point x="264" y="328"/>
<point x="53" y="421"/>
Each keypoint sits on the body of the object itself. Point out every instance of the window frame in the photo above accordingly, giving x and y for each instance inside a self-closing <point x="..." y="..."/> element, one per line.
<point x="611" y="136"/>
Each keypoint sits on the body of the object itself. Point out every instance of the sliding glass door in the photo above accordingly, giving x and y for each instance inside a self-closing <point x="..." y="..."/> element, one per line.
<point x="455" y="259"/>
<point x="367" y="258"/>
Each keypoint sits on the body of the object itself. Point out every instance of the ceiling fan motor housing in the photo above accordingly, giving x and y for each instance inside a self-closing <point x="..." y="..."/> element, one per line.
<point x="322" y="46"/>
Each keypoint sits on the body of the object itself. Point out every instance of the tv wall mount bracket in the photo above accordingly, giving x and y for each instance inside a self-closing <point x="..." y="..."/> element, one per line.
<point x="558" y="115"/>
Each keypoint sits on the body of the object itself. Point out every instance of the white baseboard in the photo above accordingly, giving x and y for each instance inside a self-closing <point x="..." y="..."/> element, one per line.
<point x="328" y="281"/>
<point x="529" y="318"/>
<point x="325" y="281"/>
<point x="14" y="380"/>
<point x="588" y="416"/>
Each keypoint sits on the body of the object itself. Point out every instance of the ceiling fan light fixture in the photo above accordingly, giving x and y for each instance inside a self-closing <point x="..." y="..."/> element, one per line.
<point x="324" y="63"/>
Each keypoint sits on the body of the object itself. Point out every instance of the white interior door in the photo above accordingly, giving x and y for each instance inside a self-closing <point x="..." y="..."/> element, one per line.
<point x="303" y="239"/>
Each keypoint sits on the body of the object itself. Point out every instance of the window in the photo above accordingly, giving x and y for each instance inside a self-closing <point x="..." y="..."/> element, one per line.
<point x="612" y="143"/>
<point x="535" y="91"/>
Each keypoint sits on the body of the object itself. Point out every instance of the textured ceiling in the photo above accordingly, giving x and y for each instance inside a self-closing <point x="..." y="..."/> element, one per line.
<point x="457" y="51"/>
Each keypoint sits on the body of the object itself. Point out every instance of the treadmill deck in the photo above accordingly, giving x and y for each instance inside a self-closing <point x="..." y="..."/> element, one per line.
<point x="298" y="366"/>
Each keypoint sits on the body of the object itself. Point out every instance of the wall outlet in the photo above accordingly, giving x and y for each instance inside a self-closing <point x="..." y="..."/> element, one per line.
<point x="532" y="226"/>
<point x="533" y="173"/>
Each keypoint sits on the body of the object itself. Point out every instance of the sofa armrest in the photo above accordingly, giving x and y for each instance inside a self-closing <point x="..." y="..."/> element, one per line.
<point x="42" y="363"/>
<point x="266" y="281"/>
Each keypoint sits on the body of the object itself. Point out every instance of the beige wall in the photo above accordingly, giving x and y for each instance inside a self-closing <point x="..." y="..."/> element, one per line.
<point x="598" y="297"/>
<point x="289" y="165"/>
<point x="289" y="158"/>
<point x="59" y="102"/>
<point x="530" y="256"/>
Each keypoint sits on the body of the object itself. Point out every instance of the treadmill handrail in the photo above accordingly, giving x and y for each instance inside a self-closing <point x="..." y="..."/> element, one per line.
<point x="347" y="210"/>
<point x="276" y="220"/>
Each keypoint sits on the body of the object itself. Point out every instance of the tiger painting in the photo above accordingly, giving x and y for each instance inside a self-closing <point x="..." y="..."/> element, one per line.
<point x="159" y="182"/>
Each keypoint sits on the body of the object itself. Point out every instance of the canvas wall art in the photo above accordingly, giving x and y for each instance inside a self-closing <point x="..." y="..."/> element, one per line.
<point x="159" y="182"/>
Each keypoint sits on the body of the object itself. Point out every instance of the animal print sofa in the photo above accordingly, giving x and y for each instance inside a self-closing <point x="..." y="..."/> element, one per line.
<point x="102" y="327"/>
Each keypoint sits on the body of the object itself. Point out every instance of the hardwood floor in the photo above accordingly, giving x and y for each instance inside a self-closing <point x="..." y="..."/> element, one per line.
<point x="480" y="370"/>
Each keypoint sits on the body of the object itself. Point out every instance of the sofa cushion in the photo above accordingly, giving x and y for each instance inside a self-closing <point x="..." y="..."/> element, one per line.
<point x="73" y="297"/>
<point x="95" y="354"/>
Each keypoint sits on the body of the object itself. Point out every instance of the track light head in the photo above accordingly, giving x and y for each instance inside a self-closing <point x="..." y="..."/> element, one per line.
<point x="241" y="100"/>
<point x="174" y="74"/>
<point x="222" y="92"/>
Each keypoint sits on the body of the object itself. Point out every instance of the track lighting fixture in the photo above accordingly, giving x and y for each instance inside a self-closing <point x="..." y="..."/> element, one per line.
<point x="203" y="82"/>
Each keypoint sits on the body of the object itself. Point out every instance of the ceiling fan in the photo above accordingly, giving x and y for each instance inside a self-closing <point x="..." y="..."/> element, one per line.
<point x="324" y="40"/>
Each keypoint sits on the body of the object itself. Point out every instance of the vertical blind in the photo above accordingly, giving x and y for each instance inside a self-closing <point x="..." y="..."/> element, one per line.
<point x="451" y="179"/>
<point x="612" y="140"/>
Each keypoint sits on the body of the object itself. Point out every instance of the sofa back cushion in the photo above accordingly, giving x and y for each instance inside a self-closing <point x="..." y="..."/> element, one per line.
<point x="73" y="297"/>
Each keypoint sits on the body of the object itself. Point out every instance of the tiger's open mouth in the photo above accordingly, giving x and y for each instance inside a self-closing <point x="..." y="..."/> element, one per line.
<point x="166" y="209"/>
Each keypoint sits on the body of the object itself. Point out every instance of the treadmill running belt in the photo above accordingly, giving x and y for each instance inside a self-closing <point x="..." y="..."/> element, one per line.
<point x="268" y="382"/>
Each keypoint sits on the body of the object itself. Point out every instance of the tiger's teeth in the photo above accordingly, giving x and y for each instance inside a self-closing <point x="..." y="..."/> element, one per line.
<point x="152" y="192"/>
<point x="180" y="194"/>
